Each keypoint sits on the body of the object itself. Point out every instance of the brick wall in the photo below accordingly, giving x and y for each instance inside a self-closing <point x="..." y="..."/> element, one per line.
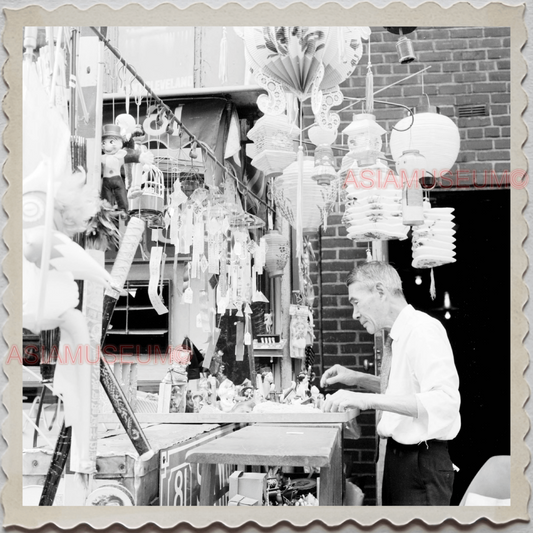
<point x="469" y="66"/>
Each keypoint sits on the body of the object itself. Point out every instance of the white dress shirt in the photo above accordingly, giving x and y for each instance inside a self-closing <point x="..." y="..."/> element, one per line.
<point x="422" y="364"/>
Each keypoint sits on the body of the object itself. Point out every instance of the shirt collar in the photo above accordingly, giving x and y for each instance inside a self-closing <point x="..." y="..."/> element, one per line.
<point x="401" y="321"/>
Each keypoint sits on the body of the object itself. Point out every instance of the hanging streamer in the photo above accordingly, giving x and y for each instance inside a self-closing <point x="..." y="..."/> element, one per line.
<point x="432" y="289"/>
<point x="369" y="95"/>
<point x="222" y="62"/>
<point x="156" y="255"/>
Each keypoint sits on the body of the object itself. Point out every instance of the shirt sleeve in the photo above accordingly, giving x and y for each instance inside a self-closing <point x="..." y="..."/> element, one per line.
<point x="432" y="362"/>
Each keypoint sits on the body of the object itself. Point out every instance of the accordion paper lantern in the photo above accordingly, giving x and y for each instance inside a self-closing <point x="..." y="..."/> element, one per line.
<point x="433" y="241"/>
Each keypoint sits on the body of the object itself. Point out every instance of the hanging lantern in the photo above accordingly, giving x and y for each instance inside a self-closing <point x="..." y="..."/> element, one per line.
<point x="277" y="253"/>
<point x="433" y="241"/>
<point x="435" y="136"/>
<point x="317" y="200"/>
<point x="273" y="138"/>
<point x="151" y="203"/>
<point x="324" y="172"/>
<point x="411" y="167"/>
<point x="404" y="46"/>
<point x="374" y="211"/>
<point x="364" y="138"/>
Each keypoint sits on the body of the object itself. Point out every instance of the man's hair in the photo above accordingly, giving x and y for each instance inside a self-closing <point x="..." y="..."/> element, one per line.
<point x="377" y="272"/>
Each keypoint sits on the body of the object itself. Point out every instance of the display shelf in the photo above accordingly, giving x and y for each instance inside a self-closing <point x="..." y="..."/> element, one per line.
<point x="228" y="418"/>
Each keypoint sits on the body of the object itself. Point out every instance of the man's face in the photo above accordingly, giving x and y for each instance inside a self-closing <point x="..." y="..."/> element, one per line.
<point x="111" y="145"/>
<point x="367" y="306"/>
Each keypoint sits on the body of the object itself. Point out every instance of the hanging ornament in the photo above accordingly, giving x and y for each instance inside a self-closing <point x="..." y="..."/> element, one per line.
<point x="277" y="253"/>
<point x="317" y="201"/>
<point x="435" y="136"/>
<point x="411" y="168"/>
<point x="324" y="171"/>
<point x="364" y="139"/>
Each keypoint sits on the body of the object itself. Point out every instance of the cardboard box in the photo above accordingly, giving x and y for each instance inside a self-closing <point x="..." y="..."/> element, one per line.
<point x="249" y="484"/>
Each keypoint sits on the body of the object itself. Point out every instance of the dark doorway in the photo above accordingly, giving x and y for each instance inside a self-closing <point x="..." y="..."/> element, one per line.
<point x="479" y="327"/>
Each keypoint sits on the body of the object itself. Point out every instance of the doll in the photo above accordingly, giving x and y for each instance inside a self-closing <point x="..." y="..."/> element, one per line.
<point x="113" y="158"/>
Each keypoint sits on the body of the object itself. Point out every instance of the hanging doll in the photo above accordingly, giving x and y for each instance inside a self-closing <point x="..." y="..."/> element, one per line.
<point x="113" y="158"/>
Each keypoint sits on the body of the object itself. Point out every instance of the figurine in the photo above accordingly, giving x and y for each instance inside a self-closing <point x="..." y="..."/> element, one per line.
<point x="226" y="393"/>
<point x="268" y="322"/>
<point x="114" y="157"/>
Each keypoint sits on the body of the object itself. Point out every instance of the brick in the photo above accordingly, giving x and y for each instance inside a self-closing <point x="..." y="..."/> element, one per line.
<point x="454" y="44"/>
<point x="495" y="155"/>
<point x="499" y="109"/>
<point x="465" y="157"/>
<point x="497" y="31"/>
<point x="473" y="122"/>
<point x="469" y="55"/>
<point x="430" y="57"/>
<point x="330" y="301"/>
<point x="333" y="288"/>
<point x="471" y="66"/>
<point x="367" y="349"/>
<point x="329" y="349"/>
<point x="330" y="325"/>
<point x="503" y="120"/>
<point x="339" y="337"/>
<point x="500" y="98"/>
<point x="351" y="253"/>
<point x="506" y="132"/>
<point x="381" y="47"/>
<point x="329" y="254"/>
<point x="432" y="34"/>
<point x="336" y="312"/>
<point x="329" y="277"/>
<point x="477" y="145"/>
<point x="465" y="77"/>
<point x="490" y="87"/>
<point x="506" y="42"/>
<point x="498" y="53"/>
<point x="451" y="67"/>
<point x="485" y="43"/>
<point x="382" y="69"/>
<point x="500" y="75"/>
<point x="486" y="65"/>
<point x="330" y="232"/>
<point x="466" y="33"/>
<point x="505" y="64"/>
<point x="503" y="144"/>
<point x="437" y="78"/>
<point x="468" y="99"/>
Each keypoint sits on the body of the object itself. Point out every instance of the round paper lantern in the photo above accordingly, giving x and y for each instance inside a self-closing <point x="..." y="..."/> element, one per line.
<point x="277" y="253"/>
<point x="317" y="200"/>
<point x="435" y="136"/>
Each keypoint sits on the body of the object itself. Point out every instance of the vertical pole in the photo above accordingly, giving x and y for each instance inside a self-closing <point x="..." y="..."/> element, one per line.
<point x="73" y="83"/>
<point x="285" y="303"/>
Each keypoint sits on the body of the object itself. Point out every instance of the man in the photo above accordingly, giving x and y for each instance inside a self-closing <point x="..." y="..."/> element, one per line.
<point x="418" y="411"/>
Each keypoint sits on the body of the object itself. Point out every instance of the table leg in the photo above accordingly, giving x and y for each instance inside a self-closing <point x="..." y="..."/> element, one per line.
<point x="331" y="487"/>
<point x="207" y="490"/>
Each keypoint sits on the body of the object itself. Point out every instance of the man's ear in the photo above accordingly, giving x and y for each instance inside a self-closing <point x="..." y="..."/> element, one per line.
<point x="380" y="288"/>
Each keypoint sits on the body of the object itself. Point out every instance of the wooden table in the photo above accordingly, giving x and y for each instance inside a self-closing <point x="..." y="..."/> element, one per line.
<point x="275" y="445"/>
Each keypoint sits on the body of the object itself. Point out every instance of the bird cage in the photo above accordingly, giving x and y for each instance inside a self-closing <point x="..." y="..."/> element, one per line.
<point x="152" y="200"/>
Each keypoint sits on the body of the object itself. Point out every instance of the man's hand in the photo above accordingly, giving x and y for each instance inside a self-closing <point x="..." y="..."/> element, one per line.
<point x="339" y="374"/>
<point x="343" y="400"/>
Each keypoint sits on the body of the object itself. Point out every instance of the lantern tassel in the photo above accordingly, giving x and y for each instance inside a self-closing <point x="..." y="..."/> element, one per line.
<point x="369" y="255"/>
<point x="432" y="289"/>
<point x="369" y="95"/>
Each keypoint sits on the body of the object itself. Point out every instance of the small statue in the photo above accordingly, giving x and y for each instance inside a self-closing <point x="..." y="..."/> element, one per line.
<point x="268" y="322"/>
<point x="113" y="158"/>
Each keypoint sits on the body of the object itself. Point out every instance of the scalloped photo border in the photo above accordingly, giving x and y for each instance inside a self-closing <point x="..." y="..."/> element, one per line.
<point x="428" y="14"/>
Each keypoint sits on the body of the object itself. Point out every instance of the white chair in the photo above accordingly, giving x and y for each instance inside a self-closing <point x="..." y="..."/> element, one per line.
<point x="492" y="484"/>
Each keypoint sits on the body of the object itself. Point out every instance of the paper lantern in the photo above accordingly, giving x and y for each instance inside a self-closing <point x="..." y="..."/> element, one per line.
<point x="324" y="172"/>
<point x="273" y="138"/>
<point x="316" y="200"/>
<point x="435" y="136"/>
<point x="277" y="253"/>
<point x="433" y="241"/>
<point x="411" y="168"/>
<point x="364" y="138"/>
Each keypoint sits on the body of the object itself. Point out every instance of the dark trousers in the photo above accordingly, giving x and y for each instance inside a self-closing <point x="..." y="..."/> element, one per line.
<point x="114" y="189"/>
<point x="419" y="474"/>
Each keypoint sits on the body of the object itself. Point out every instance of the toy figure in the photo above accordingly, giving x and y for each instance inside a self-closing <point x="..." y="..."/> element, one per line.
<point x="114" y="157"/>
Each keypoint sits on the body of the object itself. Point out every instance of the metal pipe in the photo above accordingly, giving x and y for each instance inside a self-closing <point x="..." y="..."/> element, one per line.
<point x="170" y="114"/>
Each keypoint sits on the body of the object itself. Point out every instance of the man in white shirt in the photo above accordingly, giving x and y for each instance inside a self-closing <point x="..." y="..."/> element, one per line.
<point x="420" y="403"/>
